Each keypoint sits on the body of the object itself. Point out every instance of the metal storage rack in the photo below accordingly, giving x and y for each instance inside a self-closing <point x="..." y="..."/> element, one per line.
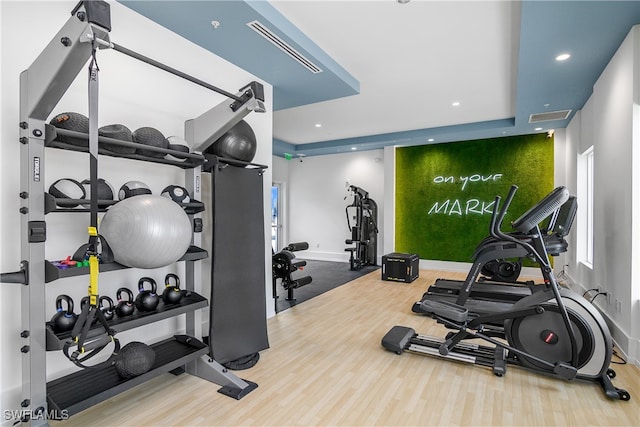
<point x="41" y="87"/>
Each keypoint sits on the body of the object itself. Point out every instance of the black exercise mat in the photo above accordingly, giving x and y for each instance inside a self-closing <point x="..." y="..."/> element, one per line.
<point x="326" y="275"/>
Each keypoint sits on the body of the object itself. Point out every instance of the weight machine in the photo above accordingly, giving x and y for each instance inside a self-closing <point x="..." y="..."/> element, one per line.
<point x="364" y="231"/>
<point x="283" y="264"/>
<point x="42" y="86"/>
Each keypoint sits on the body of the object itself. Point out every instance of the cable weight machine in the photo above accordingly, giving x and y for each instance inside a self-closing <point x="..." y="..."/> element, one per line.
<point x="364" y="230"/>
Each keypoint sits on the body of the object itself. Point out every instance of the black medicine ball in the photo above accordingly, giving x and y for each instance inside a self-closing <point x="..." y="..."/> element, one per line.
<point x="151" y="137"/>
<point x="75" y="122"/>
<point x="238" y="143"/>
<point x="67" y="188"/>
<point x="134" y="359"/>
<point x="120" y="132"/>
<point x="105" y="190"/>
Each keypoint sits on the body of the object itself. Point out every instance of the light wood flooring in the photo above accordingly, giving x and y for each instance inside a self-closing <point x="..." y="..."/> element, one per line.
<point x="326" y="367"/>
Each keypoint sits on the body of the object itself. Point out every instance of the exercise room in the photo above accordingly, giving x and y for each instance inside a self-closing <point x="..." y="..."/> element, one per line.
<point x="320" y="213"/>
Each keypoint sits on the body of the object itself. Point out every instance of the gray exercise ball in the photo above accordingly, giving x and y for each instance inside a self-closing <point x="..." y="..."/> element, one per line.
<point x="146" y="231"/>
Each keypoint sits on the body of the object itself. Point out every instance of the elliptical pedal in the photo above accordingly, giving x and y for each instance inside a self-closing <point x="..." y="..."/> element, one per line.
<point x="448" y="310"/>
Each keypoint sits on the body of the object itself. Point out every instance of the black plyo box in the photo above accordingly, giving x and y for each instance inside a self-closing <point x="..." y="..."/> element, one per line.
<point x="400" y="267"/>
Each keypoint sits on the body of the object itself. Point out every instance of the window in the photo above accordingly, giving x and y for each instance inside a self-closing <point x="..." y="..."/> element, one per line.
<point x="585" y="212"/>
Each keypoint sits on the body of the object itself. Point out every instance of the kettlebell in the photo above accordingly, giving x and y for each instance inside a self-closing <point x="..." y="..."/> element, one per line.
<point x="64" y="320"/>
<point x="107" y="310"/>
<point x="172" y="293"/>
<point x="147" y="300"/>
<point x="124" y="307"/>
<point x="84" y="301"/>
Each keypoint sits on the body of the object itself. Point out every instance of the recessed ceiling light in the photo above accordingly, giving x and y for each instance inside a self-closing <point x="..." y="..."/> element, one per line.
<point x="353" y="148"/>
<point x="318" y="125"/>
<point x="538" y="129"/>
<point x="455" y="103"/>
<point x="563" y="57"/>
<point x="430" y="140"/>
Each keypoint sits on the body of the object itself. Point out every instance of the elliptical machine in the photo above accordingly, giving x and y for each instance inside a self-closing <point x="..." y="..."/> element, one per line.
<point x="364" y="233"/>
<point x="554" y="332"/>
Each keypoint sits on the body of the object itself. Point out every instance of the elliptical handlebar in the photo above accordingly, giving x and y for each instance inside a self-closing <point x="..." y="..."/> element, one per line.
<point x="498" y="218"/>
<point x="494" y="225"/>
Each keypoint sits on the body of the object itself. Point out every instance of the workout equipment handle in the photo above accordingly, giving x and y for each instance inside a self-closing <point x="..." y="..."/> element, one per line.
<point x="14" y="277"/>
<point x="300" y="246"/>
<point x="496" y="223"/>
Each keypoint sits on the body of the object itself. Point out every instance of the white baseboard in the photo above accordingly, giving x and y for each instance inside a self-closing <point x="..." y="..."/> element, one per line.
<point x="323" y="256"/>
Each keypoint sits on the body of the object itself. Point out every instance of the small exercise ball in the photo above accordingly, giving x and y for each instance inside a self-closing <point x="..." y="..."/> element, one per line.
<point x="146" y="231"/>
<point x="133" y="188"/>
<point x="134" y="359"/>
<point x="105" y="190"/>
<point x="120" y="132"/>
<point x="176" y="193"/>
<point x="238" y="143"/>
<point x="177" y="144"/>
<point x="67" y="188"/>
<point x="75" y="122"/>
<point x="151" y="137"/>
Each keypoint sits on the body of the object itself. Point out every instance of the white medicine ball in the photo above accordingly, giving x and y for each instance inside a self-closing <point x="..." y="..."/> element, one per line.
<point x="176" y="193"/>
<point x="177" y="144"/>
<point x="133" y="188"/>
<point x="67" y="188"/>
<point x="146" y="231"/>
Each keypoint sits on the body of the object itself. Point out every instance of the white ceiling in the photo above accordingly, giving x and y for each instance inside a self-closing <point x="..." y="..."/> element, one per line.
<point x="412" y="60"/>
<point x="392" y="71"/>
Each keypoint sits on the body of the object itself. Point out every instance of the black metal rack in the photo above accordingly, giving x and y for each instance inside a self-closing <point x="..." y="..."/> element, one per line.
<point x="81" y="390"/>
<point x="190" y="301"/>
<point x="42" y="86"/>
<point x="52" y="272"/>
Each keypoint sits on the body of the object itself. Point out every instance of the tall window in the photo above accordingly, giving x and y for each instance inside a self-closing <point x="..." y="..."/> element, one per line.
<point x="585" y="196"/>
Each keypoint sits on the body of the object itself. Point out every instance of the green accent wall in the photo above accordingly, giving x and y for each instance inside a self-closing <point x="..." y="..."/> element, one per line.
<point x="445" y="192"/>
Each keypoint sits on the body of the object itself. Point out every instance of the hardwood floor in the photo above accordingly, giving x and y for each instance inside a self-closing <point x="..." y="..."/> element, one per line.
<point x="326" y="367"/>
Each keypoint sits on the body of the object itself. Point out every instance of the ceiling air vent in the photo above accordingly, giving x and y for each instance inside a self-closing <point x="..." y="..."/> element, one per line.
<point x="551" y="115"/>
<point x="259" y="28"/>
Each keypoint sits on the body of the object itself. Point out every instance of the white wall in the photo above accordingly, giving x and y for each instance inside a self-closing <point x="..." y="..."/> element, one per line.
<point x="610" y="122"/>
<point x="281" y="176"/>
<point x="131" y="93"/>
<point x="317" y="189"/>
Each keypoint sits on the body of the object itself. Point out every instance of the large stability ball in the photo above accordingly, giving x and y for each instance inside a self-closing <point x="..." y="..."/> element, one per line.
<point x="146" y="231"/>
<point x="238" y="143"/>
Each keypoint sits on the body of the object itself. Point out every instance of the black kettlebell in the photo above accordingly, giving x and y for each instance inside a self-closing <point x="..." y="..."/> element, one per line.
<point x="172" y="294"/>
<point x="147" y="300"/>
<point x="124" y="307"/>
<point x="84" y="301"/>
<point x="108" y="309"/>
<point x="64" y="320"/>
